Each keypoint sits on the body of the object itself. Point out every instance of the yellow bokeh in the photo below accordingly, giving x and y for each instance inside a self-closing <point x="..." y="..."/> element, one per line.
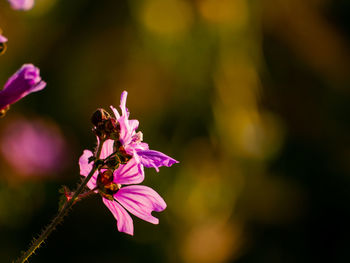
<point x="168" y="18"/>
<point x="233" y="12"/>
<point x="212" y="242"/>
<point x="42" y="7"/>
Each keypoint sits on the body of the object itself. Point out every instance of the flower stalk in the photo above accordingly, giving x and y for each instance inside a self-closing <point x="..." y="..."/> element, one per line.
<point x="114" y="171"/>
<point x="36" y="243"/>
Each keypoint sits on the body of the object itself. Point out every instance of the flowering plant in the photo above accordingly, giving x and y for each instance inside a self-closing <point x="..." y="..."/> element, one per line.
<point x="124" y="157"/>
<point x="114" y="170"/>
<point x="25" y="81"/>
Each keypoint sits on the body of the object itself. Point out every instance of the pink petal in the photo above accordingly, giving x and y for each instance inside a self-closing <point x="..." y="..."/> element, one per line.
<point x="107" y="149"/>
<point x="124" y="220"/>
<point x="85" y="168"/>
<point x="21" y="4"/>
<point x="129" y="173"/>
<point x="23" y="82"/>
<point x="127" y="129"/>
<point x="155" y="159"/>
<point x="115" y="111"/>
<point x="135" y="147"/>
<point x="137" y="137"/>
<point x="125" y="133"/>
<point x="123" y="97"/>
<point x="133" y="125"/>
<point x="40" y="86"/>
<point x="3" y="39"/>
<point x="138" y="161"/>
<point x="141" y="201"/>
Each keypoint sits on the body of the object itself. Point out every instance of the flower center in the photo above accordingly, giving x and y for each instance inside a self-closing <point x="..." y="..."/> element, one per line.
<point x="106" y="187"/>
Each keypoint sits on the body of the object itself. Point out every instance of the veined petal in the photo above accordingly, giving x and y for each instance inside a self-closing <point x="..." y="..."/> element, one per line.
<point x="124" y="220"/>
<point x="155" y="159"/>
<point x="135" y="147"/>
<point x="129" y="173"/>
<point x="141" y="201"/>
<point x="85" y="168"/>
<point x="139" y="164"/>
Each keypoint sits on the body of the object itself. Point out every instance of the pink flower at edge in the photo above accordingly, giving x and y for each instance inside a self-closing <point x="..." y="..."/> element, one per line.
<point x="132" y="141"/>
<point x="34" y="147"/>
<point x="3" y="39"/>
<point x="25" y="81"/>
<point x="23" y="5"/>
<point x="139" y="200"/>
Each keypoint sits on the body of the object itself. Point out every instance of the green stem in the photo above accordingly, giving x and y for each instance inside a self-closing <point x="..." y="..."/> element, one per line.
<point x="61" y="214"/>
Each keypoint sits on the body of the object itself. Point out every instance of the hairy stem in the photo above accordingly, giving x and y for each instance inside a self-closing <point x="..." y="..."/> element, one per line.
<point x="61" y="214"/>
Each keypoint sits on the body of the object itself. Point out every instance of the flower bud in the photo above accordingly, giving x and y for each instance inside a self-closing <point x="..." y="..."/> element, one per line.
<point x="106" y="187"/>
<point x="122" y="155"/>
<point x="113" y="162"/>
<point x="99" y="117"/>
<point x="105" y="178"/>
<point x="26" y="80"/>
<point x="106" y="127"/>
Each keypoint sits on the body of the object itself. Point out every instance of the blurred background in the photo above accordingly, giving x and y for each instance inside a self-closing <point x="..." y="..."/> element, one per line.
<point x="252" y="97"/>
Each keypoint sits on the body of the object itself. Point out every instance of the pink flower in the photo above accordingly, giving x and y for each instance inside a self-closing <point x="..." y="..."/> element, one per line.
<point x="119" y="192"/>
<point x="132" y="141"/>
<point x="25" y="81"/>
<point x="2" y="39"/>
<point x="33" y="147"/>
<point x="21" y="4"/>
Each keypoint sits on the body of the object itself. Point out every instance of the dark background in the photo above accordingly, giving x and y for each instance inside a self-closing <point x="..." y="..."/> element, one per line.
<point x="252" y="97"/>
